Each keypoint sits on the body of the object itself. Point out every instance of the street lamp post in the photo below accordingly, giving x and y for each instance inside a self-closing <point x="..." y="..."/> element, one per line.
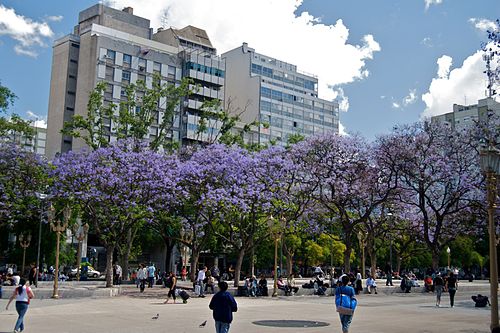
<point x="58" y="227"/>
<point x="448" y="251"/>
<point x="25" y="243"/>
<point x="80" y="232"/>
<point x="276" y="231"/>
<point x="490" y="163"/>
<point x="41" y="196"/>
<point x="186" y="237"/>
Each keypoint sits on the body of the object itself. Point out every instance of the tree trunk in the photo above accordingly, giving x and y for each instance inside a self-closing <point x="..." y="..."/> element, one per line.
<point x="195" y="255"/>
<point x="237" y="269"/>
<point x="373" y="263"/>
<point x="252" y="261"/>
<point x="435" y="260"/>
<point x="289" y="263"/>
<point x="347" y="259"/>
<point x="109" y="265"/>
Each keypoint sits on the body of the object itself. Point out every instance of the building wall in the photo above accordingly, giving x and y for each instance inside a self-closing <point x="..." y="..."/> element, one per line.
<point x="277" y="94"/>
<point x="62" y="93"/>
<point x="466" y="115"/>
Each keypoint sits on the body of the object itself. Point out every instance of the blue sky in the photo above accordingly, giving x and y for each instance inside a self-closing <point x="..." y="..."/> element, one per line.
<point x="378" y="58"/>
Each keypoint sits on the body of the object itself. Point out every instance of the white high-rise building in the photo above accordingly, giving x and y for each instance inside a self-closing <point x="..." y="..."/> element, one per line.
<point x="276" y="93"/>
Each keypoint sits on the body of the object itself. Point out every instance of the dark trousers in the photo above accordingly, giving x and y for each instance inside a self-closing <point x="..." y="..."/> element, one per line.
<point x="452" y="292"/>
<point x="142" y="285"/>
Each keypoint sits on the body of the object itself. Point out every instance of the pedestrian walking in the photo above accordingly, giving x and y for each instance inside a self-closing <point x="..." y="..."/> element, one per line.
<point x="452" y="286"/>
<point x="142" y="275"/>
<point x="223" y="305"/>
<point x="388" y="274"/>
<point x="22" y="294"/>
<point x="201" y="281"/>
<point x="151" y="275"/>
<point x="345" y="298"/>
<point x="358" y="283"/>
<point x="171" y="283"/>
<point x="438" y="288"/>
<point x="32" y="275"/>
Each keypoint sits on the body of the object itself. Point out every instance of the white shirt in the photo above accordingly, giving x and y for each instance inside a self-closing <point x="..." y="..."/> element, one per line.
<point x="16" y="279"/>
<point x="141" y="273"/>
<point x="23" y="296"/>
<point x="201" y="275"/>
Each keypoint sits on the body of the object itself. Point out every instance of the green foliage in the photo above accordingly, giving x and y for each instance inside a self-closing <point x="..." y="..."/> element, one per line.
<point x="333" y="249"/>
<point x="133" y="116"/>
<point x="314" y="252"/>
<point x="7" y="98"/>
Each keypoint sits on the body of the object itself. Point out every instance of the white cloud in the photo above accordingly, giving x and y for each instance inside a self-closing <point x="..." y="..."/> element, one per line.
<point x="483" y="24"/>
<point x="427" y="41"/>
<point x="39" y="120"/>
<point x="342" y="130"/>
<point x="428" y="3"/>
<point x="272" y="28"/>
<point x="465" y="83"/>
<point x="26" y="32"/>
<point x="405" y="101"/>
<point x="444" y="65"/>
<point x="410" y="98"/>
<point x="55" y="18"/>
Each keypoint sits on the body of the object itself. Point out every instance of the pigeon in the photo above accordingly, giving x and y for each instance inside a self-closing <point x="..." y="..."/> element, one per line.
<point x="203" y="324"/>
<point x="156" y="317"/>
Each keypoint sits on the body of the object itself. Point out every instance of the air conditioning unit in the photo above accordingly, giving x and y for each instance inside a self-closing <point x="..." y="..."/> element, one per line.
<point x="106" y="56"/>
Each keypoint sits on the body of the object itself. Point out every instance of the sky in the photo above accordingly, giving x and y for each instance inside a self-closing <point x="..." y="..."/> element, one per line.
<point x="386" y="62"/>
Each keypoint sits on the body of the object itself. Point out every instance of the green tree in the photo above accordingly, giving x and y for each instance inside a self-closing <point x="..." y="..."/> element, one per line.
<point x="13" y="124"/>
<point x="132" y="117"/>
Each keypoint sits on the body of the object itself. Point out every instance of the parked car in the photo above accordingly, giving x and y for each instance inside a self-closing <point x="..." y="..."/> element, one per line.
<point x="91" y="272"/>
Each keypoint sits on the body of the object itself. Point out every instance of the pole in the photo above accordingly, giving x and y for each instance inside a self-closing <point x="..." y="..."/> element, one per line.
<point x="24" y="259"/>
<point x="281" y="256"/>
<point x="363" y="260"/>
<point x="56" y="274"/>
<point x="491" y="191"/>
<point x="38" y="251"/>
<point x="275" y="290"/>
<point x="390" y="254"/>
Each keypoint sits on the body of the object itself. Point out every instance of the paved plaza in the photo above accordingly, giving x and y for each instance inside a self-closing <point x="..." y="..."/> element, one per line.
<point x="133" y="312"/>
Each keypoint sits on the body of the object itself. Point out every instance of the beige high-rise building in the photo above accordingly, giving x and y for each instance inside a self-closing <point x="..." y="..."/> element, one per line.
<point x="120" y="48"/>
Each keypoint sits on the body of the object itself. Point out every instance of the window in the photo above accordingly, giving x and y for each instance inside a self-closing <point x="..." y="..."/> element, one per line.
<point x="265" y="92"/>
<point x="277" y="95"/>
<point x="73" y="61"/>
<point x="142" y="64"/>
<point x="110" y="54"/>
<point x="75" y="45"/>
<point x="267" y="72"/>
<point x="171" y="71"/>
<point x="125" y="76"/>
<point x="156" y="67"/>
<point x="127" y="60"/>
<point x="257" y="69"/>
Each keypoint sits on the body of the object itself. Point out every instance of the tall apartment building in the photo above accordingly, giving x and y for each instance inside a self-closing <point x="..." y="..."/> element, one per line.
<point x="120" y="48"/>
<point x="201" y="64"/>
<point x="465" y="115"/>
<point x="265" y="89"/>
<point x="34" y="144"/>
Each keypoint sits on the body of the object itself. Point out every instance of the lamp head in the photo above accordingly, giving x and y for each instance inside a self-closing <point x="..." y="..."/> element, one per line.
<point x="448" y="250"/>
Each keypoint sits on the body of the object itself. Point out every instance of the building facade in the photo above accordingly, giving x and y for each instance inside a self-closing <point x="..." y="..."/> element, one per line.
<point x="120" y="48"/>
<point x="284" y="100"/>
<point x="466" y="115"/>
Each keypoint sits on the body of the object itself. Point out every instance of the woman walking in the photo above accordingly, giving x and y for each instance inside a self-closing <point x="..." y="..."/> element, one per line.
<point x="452" y="286"/>
<point x="438" y="288"/>
<point x="22" y="294"/>
<point x="172" y="284"/>
<point x="345" y="300"/>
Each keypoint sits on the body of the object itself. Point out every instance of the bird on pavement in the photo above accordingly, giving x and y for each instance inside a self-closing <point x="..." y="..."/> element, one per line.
<point x="156" y="317"/>
<point x="203" y="324"/>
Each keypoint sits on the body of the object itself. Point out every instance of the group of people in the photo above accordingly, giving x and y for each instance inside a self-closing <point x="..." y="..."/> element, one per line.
<point x="145" y="274"/>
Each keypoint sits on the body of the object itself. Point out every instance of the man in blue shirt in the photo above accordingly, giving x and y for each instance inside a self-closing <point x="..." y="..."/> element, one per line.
<point x="223" y="305"/>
